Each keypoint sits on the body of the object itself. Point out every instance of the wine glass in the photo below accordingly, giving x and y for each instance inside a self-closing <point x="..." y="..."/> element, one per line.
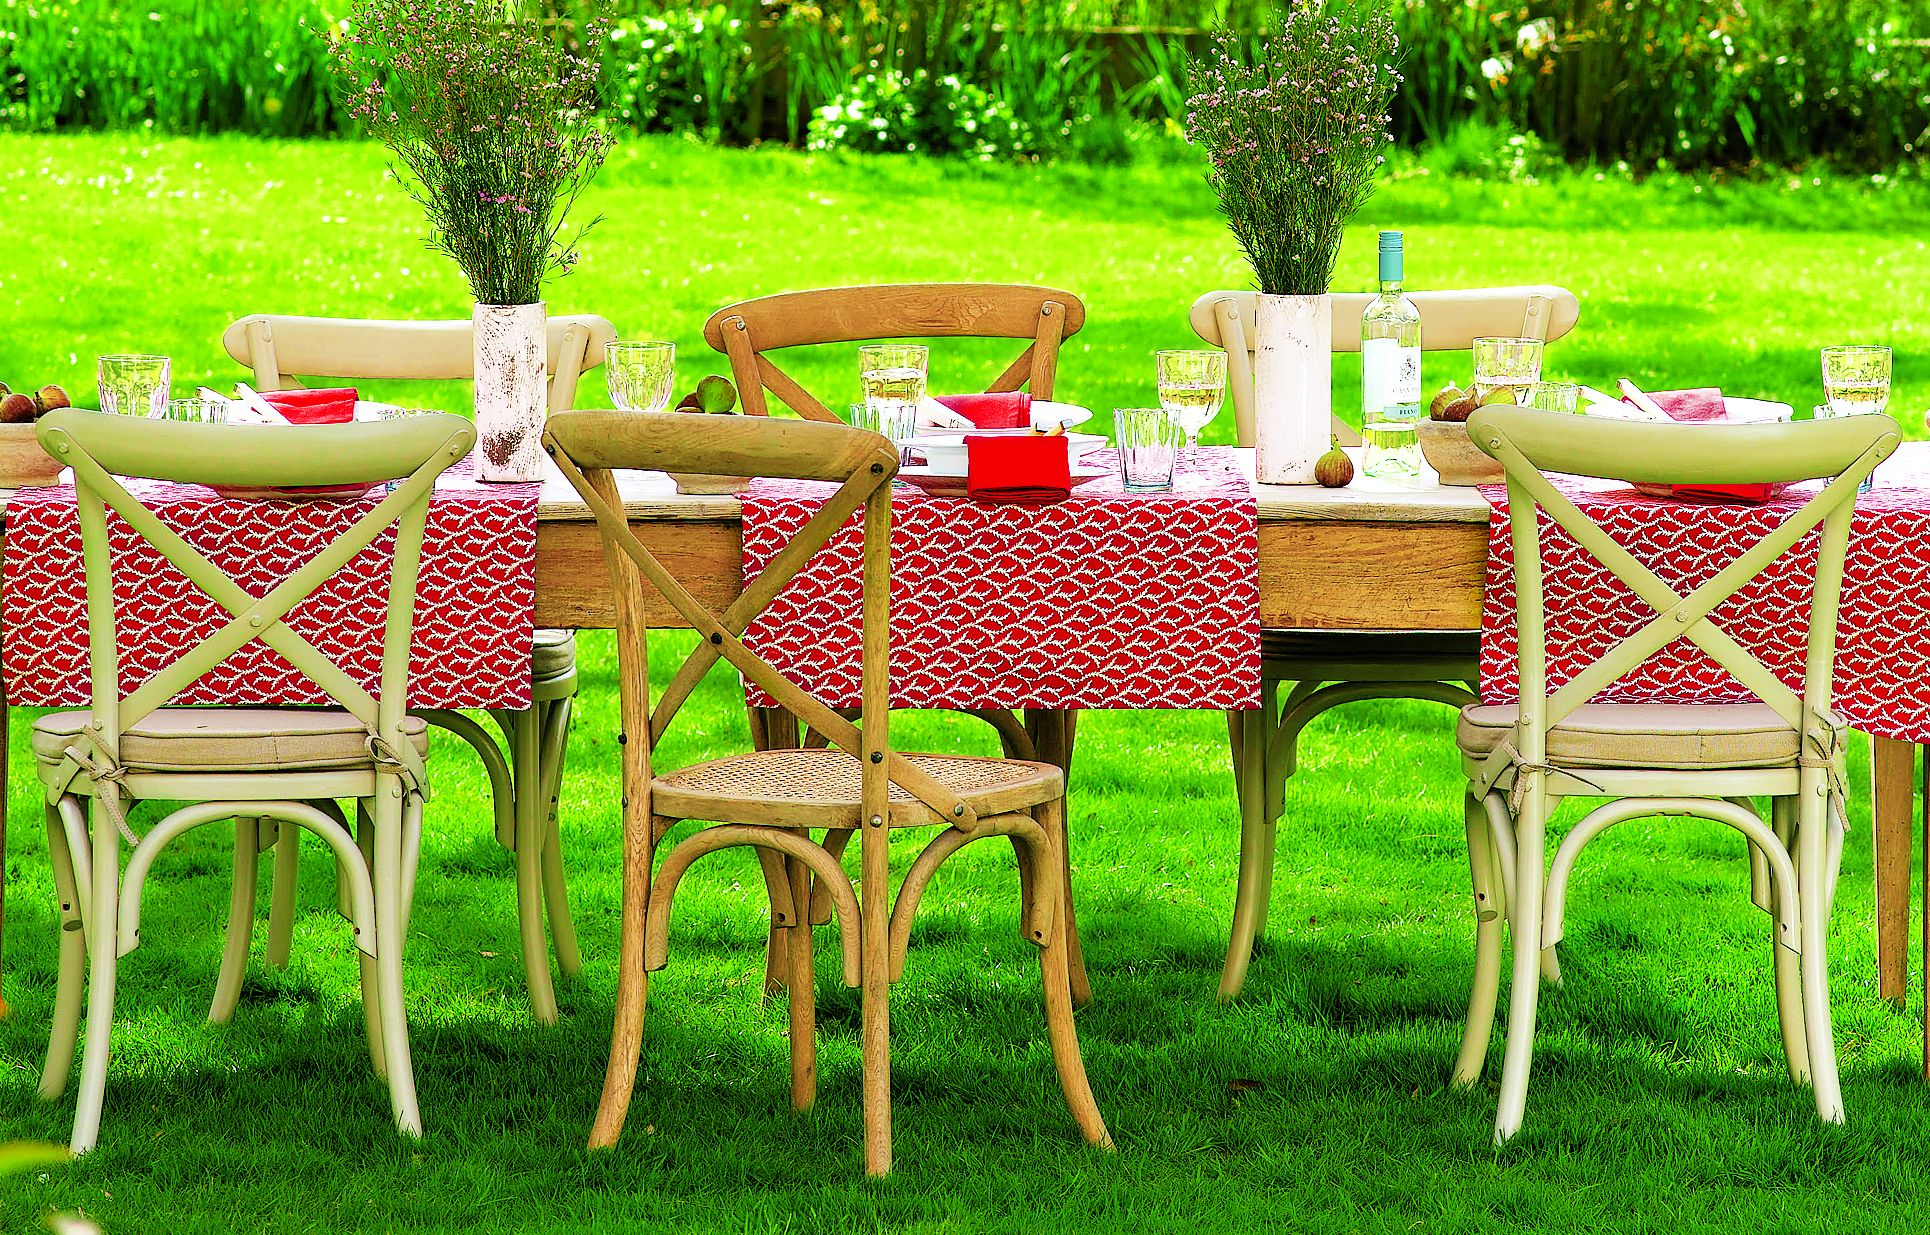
<point x="1192" y="385"/>
<point x="133" y="385"/>
<point x="639" y="374"/>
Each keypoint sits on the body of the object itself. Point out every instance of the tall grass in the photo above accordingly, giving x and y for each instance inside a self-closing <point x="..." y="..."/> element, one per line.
<point x="1646" y="82"/>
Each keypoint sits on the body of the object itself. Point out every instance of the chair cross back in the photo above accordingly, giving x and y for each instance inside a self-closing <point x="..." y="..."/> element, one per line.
<point x="1526" y="442"/>
<point x="412" y="452"/>
<point x="746" y="331"/>
<point x="587" y="445"/>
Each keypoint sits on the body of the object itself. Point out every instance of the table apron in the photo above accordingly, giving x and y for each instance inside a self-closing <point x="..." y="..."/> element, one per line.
<point x="1314" y="574"/>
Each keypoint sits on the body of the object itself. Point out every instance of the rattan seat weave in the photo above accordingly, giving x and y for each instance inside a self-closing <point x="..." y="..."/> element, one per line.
<point x="820" y="788"/>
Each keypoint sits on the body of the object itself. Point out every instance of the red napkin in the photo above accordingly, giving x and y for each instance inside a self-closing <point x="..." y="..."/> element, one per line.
<point x="1009" y="409"/>
<point x="1021" y="470"/>
<point x="1704" y="405"/>
<point x="330" y="406"/>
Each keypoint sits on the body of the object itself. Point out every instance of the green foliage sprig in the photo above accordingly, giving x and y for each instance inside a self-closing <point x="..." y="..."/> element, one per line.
<point x="492" y="124"/>
<point x="1295" y="127"/>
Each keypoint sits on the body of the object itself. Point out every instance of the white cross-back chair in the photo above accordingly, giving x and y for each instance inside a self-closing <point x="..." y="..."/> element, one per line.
<point x="1670" y="758"/>
<point x="1322" y="669"/>
<point x="526" y="779"/>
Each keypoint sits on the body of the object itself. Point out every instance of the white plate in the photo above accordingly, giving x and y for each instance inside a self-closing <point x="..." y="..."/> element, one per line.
<point x="947" y="484"/>
<point x="945" y="452"/>
<point x="1046" y="413"/>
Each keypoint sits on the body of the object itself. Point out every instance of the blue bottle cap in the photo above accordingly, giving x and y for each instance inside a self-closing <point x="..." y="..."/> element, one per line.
<point x="1390" y="257"/>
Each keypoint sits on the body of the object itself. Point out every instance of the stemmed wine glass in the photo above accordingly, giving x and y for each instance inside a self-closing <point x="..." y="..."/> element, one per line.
<point x="1192" y="385"/>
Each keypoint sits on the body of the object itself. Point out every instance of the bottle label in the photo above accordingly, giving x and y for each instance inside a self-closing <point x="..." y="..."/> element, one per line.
<point x="1391" y="380"/>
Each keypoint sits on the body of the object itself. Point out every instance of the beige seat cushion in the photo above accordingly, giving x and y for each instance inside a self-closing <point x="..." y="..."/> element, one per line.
<point x="553" y="654"/>
<point x="221" y="739"/>
<point x="1646" y="735"/>
<point x="821" y="788"/>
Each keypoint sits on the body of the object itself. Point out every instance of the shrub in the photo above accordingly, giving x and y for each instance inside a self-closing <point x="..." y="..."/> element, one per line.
<point x="887" y="113"/>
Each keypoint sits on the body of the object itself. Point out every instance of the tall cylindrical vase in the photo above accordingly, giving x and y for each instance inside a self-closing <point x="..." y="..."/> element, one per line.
<point x="1293" y="386"/>
<point x="512" y="390"/>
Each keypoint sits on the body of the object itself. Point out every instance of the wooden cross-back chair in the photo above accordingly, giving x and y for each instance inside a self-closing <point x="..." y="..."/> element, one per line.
<point x="748" y="330"/>
<point x="1668" y="758"/>
<point x="525" y="772"/>
<point x="261" y="767"/>
<point x="771" y="800"/>
<point x="1324" y="669"/>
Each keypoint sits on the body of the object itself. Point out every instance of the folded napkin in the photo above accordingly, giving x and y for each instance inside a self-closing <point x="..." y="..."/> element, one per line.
<point x="1704" y="405"/>
<point x="1010" y="409"/>
<point x="329" y="406"/>
<point x="1021" y="470"/>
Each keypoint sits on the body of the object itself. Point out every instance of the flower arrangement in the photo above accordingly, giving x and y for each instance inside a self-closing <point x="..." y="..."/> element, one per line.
<point x="492" y="125"/>
<point x="1295" y="125"/>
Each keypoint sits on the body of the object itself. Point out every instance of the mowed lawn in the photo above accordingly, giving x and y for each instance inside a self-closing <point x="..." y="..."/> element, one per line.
<point x="1315" y="1102"/>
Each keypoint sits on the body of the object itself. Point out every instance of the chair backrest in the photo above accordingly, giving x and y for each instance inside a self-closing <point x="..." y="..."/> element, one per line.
<point x="587" y="445"/>
<point x="1528" y="443"/>
<point x="746" y="331"/>
<point x="1450" y="322"/>
<point x="411" y="451"/>
<point x="280" y="349"/>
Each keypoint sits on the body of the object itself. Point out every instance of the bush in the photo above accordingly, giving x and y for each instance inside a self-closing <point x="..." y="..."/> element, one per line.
<point x="888" y="113"/>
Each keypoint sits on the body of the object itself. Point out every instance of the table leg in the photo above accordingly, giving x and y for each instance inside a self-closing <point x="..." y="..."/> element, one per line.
<point x="1892" y="775"/>
<point x="6" y="731"/>
<point x="1053" y="732"/>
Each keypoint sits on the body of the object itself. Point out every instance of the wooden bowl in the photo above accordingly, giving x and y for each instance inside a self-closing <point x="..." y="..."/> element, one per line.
<point x="689" y="482"/>
<point x="1451" y="452"/>
<point x="22" y="461"/>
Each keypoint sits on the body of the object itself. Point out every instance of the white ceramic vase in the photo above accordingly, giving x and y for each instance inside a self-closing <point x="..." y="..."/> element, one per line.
<point x="1293" y="386"/>
<point x="512" y="390"/>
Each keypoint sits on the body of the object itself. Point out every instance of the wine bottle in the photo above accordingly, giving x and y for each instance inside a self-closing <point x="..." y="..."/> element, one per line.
<point x="1390" y="374"/>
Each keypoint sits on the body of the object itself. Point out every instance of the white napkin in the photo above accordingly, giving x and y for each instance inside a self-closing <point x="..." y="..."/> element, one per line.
<point x="935" y="415"/>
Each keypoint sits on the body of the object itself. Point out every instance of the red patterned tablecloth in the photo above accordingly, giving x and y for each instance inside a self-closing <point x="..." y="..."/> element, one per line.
<point x="1883" y="649"/>
<point x="1106" y="600"/>
<point x="474" y="609"/>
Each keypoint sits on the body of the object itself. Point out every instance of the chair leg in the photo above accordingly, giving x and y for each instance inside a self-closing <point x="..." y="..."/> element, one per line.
<point x="1524" y="930"/>
<point x="284" y="876"/>
<point x="874" y="911"/>
<point x="1250" y="896"/>
<point x="1812" y="846"/>
<point x="388" y="812"/>
<point x="1055" y="974"/>
<point x="1479" y="1029"/>
<point x="64" y="1033"/>
<point x="1789" y="978"/>
<point x="241" y="921"/>
<point x="803" y="1010"/>
<point x="526" y="753"/>
<point x="371" y="984"/>
<point x="103" y="939"/>
<point x="633" y="983"/>
<point x="773" y="729"/>
<point x="556" y="899"/>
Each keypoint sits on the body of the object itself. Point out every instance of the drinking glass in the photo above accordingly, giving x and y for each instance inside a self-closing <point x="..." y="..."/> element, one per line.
<point x="893" y="374"/>
<point x="1553" y="396"/>
<point x="1856" y="380"/>
<point x="1148" y="442"/>
<point x="898" y="422"/>
<point x="1506" y="364"/>
<point x="133" y="385"/>
<point x="639" y="374"/>
<point x="1192" y="385"/>
<point x="197" y="411"/>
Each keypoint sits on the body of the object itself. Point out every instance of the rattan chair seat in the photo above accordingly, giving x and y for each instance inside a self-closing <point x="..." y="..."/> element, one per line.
<point x="820" y="788"/>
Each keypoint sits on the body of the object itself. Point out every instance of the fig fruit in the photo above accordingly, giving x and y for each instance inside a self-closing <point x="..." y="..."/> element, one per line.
<point x="1437" y="410"/>
<point x="1461" y="408"/>
<point x="1334" y="470"/>
<point x="713" y="394"/>
<point x="52" y="398"/>
<point x="17" y="409"/>
<point x="1500" y="394"/>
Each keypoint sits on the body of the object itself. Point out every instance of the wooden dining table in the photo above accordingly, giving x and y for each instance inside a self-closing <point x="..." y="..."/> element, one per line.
<point x="1366" y="557"/>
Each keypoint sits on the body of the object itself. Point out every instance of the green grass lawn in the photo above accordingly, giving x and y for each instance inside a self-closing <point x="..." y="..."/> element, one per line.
<point x="1659" y="1102"/>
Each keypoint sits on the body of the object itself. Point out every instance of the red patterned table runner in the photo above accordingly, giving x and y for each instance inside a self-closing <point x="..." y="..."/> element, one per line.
<point x="1883" y="644"/>
<point x="474" y="608"/>
<point x="1106" y="600"/>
